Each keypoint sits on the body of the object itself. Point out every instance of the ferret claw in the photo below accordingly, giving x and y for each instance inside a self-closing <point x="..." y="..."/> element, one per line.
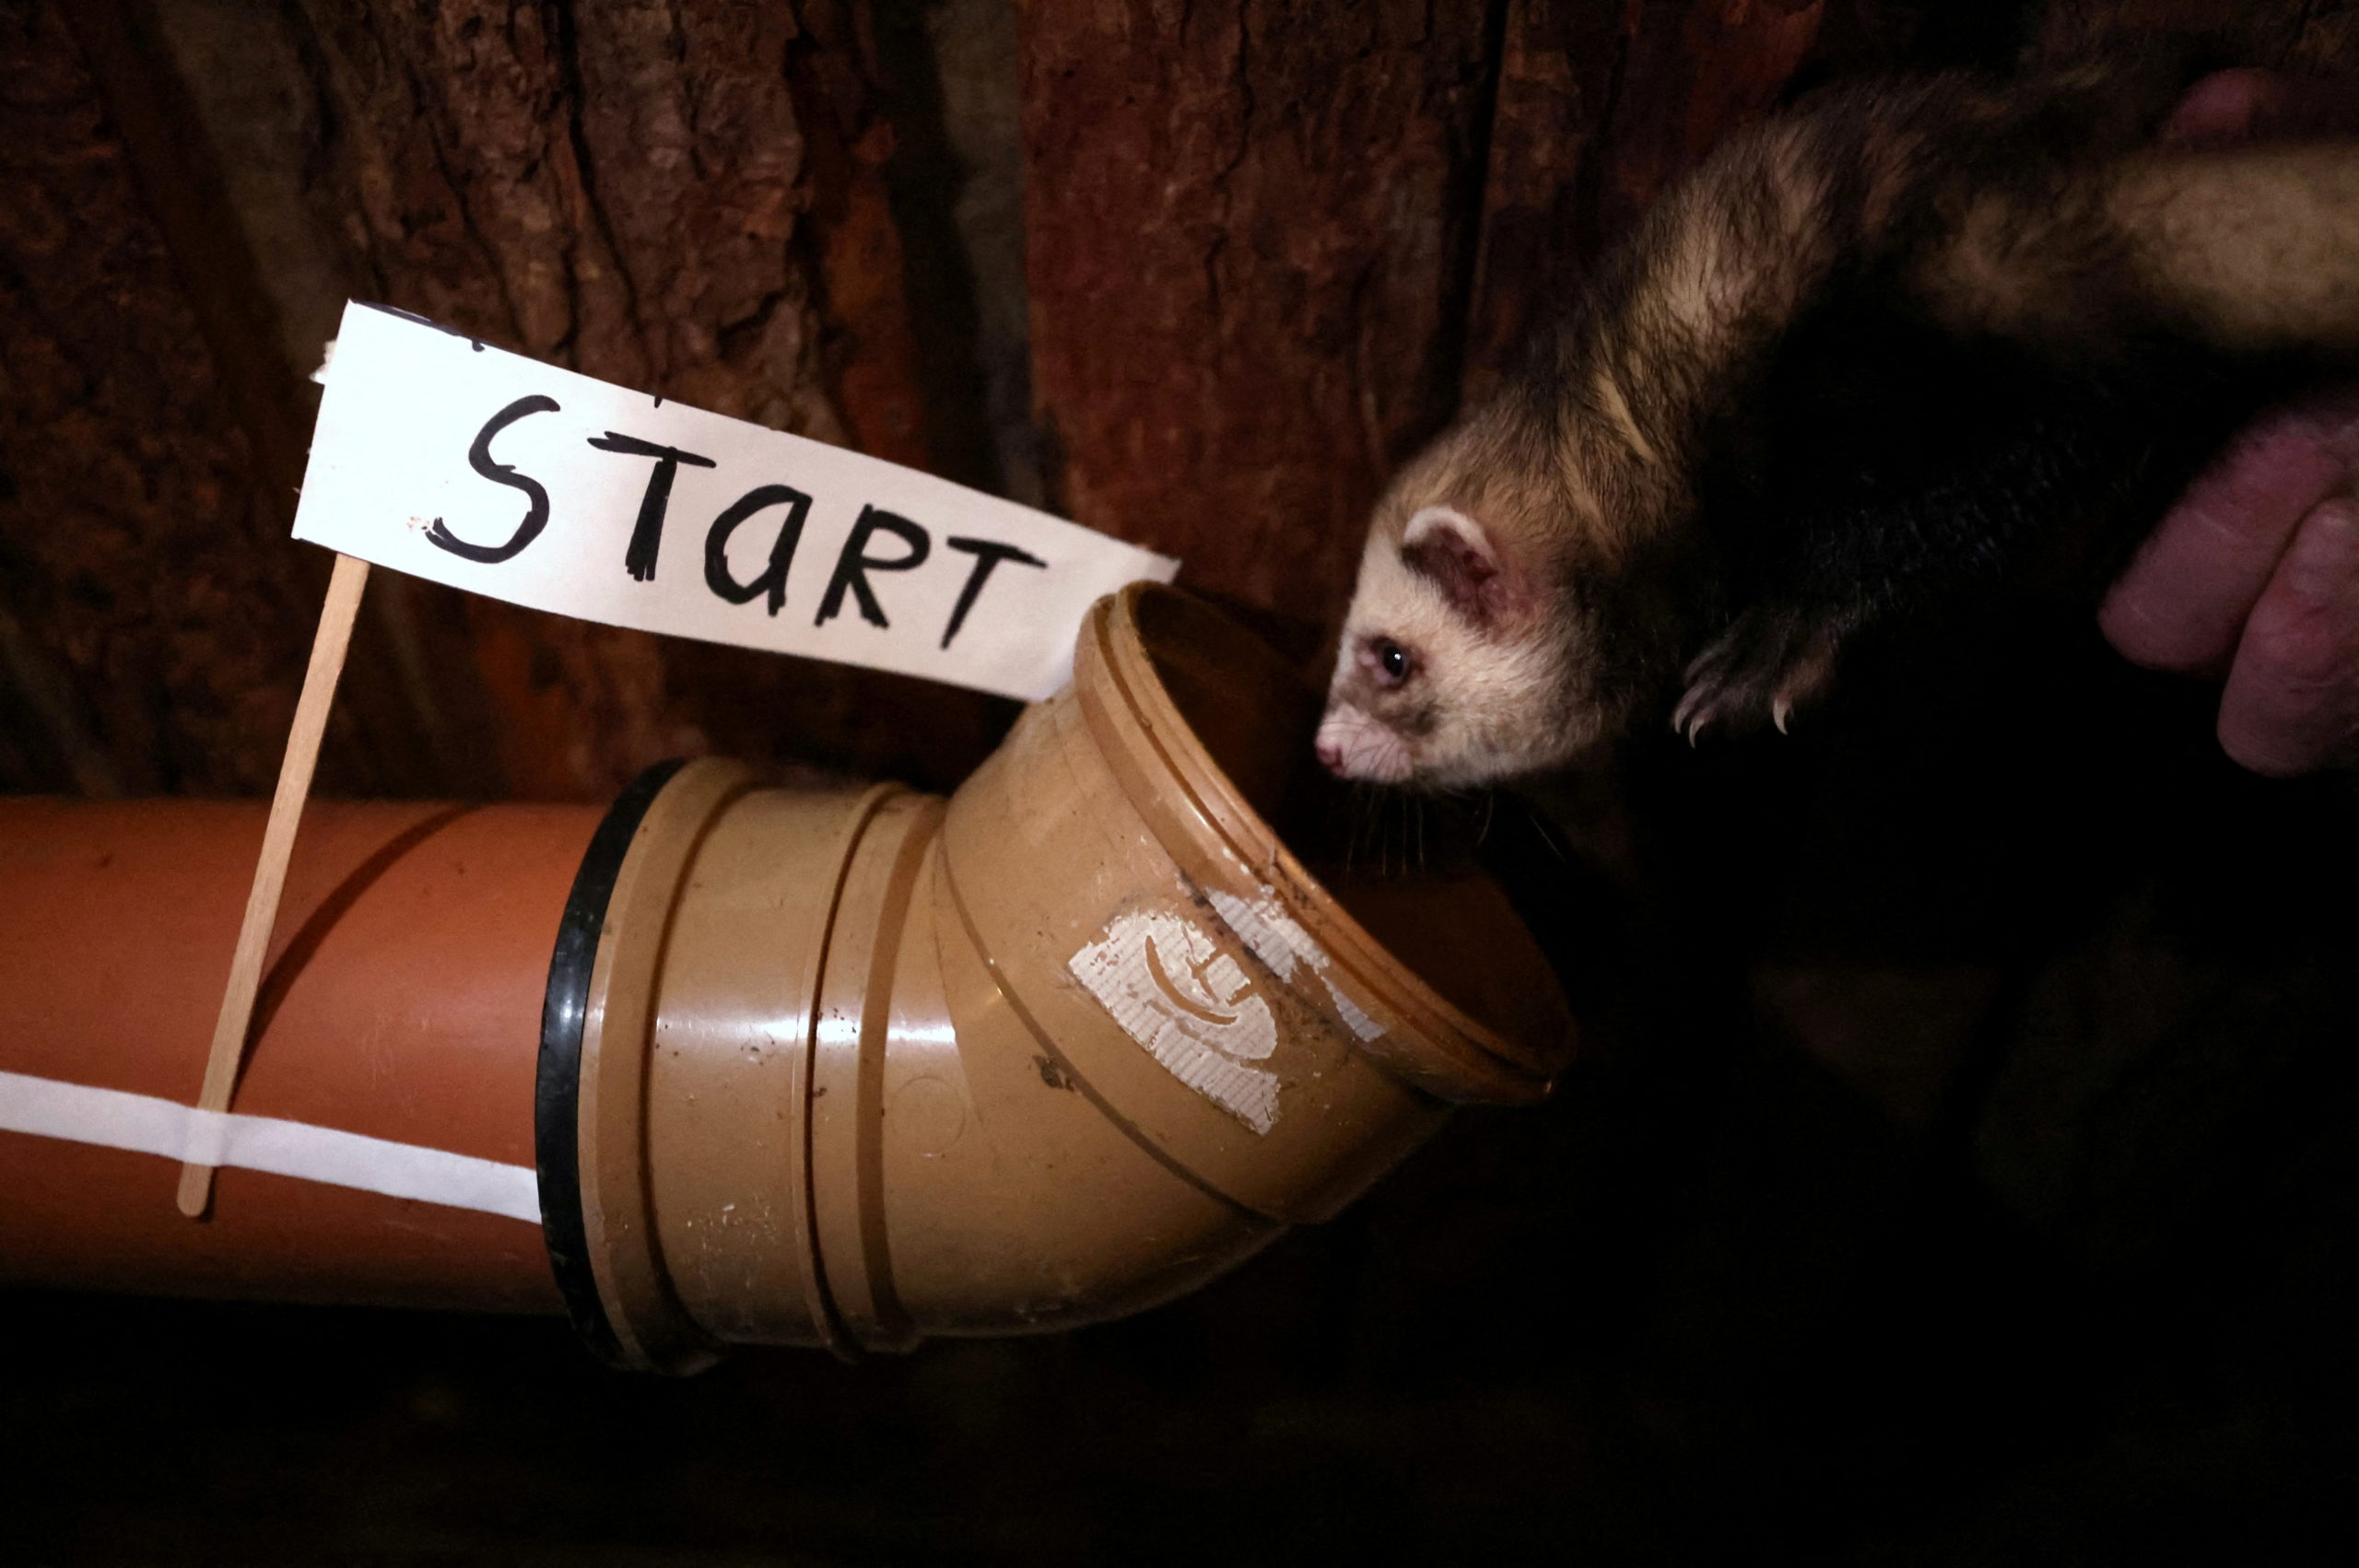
<point x="1768" y="664"/>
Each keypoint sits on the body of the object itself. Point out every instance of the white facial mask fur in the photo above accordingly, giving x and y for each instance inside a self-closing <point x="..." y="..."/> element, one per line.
<point x="1442" y="665"/>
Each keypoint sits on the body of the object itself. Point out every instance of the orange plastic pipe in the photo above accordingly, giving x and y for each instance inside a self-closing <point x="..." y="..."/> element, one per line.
<point x="402" y="1000"/>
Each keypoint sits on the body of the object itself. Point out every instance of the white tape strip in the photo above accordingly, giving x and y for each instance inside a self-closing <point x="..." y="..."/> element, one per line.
<point x="114" y="1119"/>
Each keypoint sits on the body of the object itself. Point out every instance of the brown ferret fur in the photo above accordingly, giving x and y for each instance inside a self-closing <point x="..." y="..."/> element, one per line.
<point x="1873" y="356"/>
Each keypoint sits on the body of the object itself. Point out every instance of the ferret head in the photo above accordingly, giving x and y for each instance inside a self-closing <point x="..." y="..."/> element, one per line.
<point x="1511" y="610"/>
<point x="1465" y="657"/>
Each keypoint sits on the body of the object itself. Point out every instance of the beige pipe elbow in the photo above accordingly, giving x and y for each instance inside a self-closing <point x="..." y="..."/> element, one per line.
<point x="854" y="1069"/>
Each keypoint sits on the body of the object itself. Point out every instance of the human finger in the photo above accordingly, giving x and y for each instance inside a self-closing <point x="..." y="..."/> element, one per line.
<point x="2183" y="601"/>
<point x="2231" y="106"/>
<point x="2292" y="701"/>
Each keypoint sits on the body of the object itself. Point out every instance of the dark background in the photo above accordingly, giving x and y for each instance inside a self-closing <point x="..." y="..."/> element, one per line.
<point x="1960" y="1165"/>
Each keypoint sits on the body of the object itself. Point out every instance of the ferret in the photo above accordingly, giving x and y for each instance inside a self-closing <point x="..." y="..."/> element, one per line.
<point x="1872" y="355"/>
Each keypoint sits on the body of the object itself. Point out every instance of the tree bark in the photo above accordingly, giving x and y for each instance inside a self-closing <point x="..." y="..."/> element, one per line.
<point x="1250" y="232"/>
<point x="147" y="586"/>
<point x="685" y="199"/>
<point x="689" y="199"/>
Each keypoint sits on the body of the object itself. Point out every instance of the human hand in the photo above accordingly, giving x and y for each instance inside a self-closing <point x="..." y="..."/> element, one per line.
<point x="2254" y="574"/>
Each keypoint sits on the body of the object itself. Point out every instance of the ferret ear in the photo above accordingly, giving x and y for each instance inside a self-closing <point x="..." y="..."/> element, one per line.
<point x="1454" y="553"/>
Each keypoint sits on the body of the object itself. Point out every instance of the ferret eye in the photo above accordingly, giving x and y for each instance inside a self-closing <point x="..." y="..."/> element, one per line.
<point x="1391" y="660"/>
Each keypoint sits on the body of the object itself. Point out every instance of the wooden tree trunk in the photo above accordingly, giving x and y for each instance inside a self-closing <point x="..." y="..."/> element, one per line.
<point x="686" y="198"/>
<point x="147" y="585"/>
<point x="1251" y="231"/>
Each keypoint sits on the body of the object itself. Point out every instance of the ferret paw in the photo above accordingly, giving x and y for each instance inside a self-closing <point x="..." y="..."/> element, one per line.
<point x="1767" y="665"/>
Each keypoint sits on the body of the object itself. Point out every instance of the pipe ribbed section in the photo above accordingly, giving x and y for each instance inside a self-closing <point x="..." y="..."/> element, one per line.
<point x="862" y="1068"/>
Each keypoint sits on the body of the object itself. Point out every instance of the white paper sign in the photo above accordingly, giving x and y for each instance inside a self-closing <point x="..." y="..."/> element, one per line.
<point x="444" y="458"/>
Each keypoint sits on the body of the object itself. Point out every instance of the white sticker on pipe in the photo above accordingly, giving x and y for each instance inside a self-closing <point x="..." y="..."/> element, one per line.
<point x="113" y="1119"/>
<point x="1278" y="940"/>
<point x="1174" y="991"/>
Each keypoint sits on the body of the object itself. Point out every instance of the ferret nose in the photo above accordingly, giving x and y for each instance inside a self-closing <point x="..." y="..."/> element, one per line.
<point x="1331" y="755"/>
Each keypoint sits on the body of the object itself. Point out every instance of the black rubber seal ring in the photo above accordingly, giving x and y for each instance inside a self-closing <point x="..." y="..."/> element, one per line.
<point x="557" y="1087"/>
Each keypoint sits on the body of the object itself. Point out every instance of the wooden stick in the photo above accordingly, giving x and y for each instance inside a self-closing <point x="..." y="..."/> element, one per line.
<point x="270" y="873"/>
